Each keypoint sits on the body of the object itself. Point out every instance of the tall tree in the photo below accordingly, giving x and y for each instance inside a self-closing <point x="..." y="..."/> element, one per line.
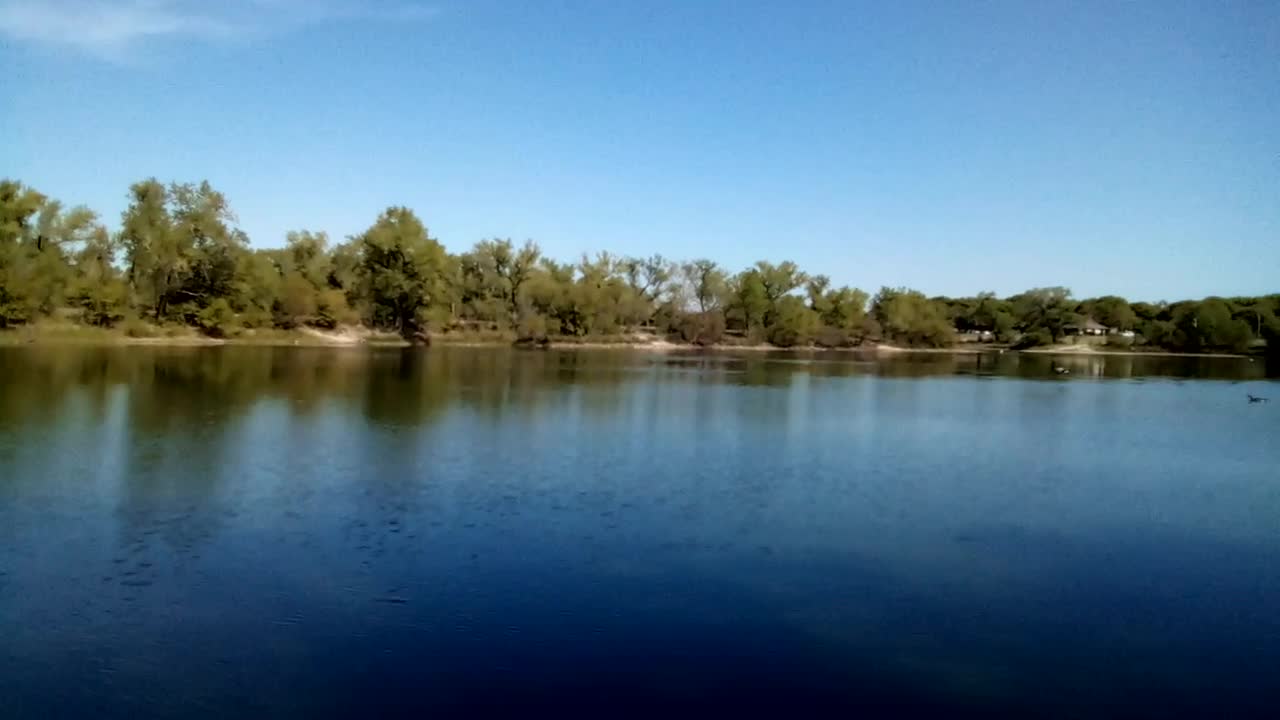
<point x="750" y="300"/>
<point x="816" y="288"/>
<point x="845" y="309"/>
<point x="706" y="281"/>
<point x="795" y="323"/>
<point x="18" y="206"/>
<point x="179" y="245"/>
<point x="777" y="281"/>
<point x="1048" y="309"/>
<point x="308" y="255"/>
<point x="499" y="272"/>
<point x="781" y="279"/>
<point x="401" y="270"/>
<point x="908" y="317"/>
<point x="204" y="223"/>
<point x="1209" y="325"/>
<point x="648" y="277"/>
<point x="60" y="235"/>
<point x="153" y="252"/>
<point x="1110" y="310"/>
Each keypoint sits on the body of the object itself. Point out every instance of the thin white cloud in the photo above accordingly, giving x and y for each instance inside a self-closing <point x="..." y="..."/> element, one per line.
<point x="112" y="28"/>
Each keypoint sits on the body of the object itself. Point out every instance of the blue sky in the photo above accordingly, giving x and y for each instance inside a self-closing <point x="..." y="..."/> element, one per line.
<point x="949" y="146"/>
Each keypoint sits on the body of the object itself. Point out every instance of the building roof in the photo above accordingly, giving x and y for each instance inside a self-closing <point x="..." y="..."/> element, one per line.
<point x="1089" y="324"/>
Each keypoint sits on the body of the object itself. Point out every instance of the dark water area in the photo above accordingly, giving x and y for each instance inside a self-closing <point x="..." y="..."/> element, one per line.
<point x="313" y="533"/>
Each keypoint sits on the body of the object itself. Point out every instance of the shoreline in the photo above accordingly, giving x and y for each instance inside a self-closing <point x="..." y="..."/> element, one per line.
<point x="310" y="337"/>
<point x="655" y="347"/>
<point x="352" y="337"/>
<point x="1077" y="351"/>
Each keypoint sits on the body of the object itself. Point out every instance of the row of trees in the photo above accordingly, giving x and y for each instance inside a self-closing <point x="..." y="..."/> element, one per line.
<point x="178" y="257"/>
<point x="1044" y="315"/>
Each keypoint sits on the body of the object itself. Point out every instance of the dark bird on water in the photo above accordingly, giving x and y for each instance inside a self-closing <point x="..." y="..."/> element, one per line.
<point x="1256" y="399"/>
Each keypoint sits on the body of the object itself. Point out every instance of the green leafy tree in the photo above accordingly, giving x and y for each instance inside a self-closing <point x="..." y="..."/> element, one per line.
<point x="909" y="318"/>
<point x="1146" y="312"/>
<point x="59" y="235"/>
<point x="1271" y="334"/>
<point x="707" y="283"/>
<point x="777" y="281"/>
<point x="18" y="204"/>
<point x="18" y="207"/>
<point x="749" y="306"/>
<point x="217" y="319"/>
<point x="816" y="288"/>
<point x="98" y="288"/>
<point x="499" y="274"/>
<point x="516" y="274"/>
<point x="648" y="278"/>
<point x="982" y="312"/>
<point x="401" y="270"/>
<point x="794" y="323"/>
<point x="332" y="309"/>
<point x="307" y="254"/>
<point x="1255" y="312"/>
<point x="1003" y="326"/>
<point x="298" y="301"/>
<point x="551" y="297"/>
<point x="344" y="264"/>
<point x="841" y="312"/>
<point x="203" y="221"/>
<point x="1049" y="309"/>
<point x="600" y="296"/>
<point x="1110" y="310"/>
<point x="155" y="259"/>
<point x="1210" y="325"/>
<point x="258" y="287"/>
<point x="846" y="309"/>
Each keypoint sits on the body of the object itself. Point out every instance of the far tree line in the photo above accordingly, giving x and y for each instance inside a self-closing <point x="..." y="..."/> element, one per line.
<point x="177" y="257"/>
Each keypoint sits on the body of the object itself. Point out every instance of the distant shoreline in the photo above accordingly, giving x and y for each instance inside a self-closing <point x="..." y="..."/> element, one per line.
<point x="309" y="337"/>
<point x="1087" y="351"/>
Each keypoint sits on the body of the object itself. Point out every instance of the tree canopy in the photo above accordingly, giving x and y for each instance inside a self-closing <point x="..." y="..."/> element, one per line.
<point x="178" y="256"/>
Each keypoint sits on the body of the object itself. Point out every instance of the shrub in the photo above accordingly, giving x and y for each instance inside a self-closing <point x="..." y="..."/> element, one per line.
<point x="425" y="320"/>
<point x="332" y="310"/>
<point x="531" y="328"/>
<point x="297" y="303"/>
<point x="794" y="325"/>
<point x="136" y="327"/>
<point x="12" y="311"/>
<point x="1036" y="338"/>
<point x="754" y="335"/>
<point x="830" y="337"/>
<point x="256" y="317"/>
<point x="102" y="315"/>
<point x="700" y="328"/>
<point x="217" y="319"/>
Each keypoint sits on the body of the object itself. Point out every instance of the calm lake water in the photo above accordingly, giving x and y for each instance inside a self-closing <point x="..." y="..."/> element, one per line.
<point x="254" y="532"/>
